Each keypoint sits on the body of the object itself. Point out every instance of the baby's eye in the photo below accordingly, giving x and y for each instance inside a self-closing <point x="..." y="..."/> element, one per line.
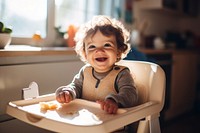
<point x="91" y="47"/>
<point x="107" y="45"/>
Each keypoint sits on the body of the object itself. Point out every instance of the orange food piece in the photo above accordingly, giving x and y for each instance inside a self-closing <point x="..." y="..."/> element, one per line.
<point x="36" y="37"/>
<point x="48" y="105"/>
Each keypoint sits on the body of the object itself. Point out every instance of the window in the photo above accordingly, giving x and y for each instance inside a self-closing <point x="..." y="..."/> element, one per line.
<point x="30" y="16"/>
<point x="69" y="13"/>
<point x="24" y="13"/>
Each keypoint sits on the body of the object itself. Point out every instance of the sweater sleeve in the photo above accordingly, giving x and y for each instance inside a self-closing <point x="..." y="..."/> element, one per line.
<point x="75" y="87"/>
<point x="127" y="95"/>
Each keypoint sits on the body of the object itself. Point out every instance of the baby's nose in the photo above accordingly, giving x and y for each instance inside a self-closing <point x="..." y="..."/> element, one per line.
<point x="100" y="49"/>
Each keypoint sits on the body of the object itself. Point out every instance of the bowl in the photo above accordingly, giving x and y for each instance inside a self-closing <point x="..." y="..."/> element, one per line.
<point x="5" y="40"/>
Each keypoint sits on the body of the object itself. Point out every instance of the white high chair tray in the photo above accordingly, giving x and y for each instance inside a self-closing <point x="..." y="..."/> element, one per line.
<point x="76" y="116"/>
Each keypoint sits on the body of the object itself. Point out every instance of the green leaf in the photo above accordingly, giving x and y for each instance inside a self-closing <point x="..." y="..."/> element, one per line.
<point x="7" y="30"/>
<point x="1" y="27"/>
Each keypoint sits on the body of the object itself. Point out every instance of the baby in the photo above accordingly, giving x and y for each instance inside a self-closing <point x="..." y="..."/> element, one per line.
<point x="101" y="43"/>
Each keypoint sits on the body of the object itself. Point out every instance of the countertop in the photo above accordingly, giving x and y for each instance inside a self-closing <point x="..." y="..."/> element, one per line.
<point x="25" y="50"/>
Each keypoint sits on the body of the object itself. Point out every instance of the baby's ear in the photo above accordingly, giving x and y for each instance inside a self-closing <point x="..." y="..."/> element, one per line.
<point x="119" y="54"/>
<point x="118" y="57"/>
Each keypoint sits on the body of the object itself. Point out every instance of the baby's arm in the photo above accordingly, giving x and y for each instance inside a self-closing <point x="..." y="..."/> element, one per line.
<point x="127" y="95"/>
<point x="65" y="94"/>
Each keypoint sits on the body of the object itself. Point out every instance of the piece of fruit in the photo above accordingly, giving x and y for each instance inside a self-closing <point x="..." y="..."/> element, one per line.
<point x="48" y="105"/>
<point x="36" y="37"/>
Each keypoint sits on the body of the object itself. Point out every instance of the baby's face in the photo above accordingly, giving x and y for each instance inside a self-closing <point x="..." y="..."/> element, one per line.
<point x="101" y="52"/>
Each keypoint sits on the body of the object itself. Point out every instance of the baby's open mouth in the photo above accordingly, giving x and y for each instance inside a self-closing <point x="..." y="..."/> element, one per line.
<point x="101" y="59"/>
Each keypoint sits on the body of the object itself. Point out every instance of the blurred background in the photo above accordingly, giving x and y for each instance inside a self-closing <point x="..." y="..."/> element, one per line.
<point x="162" y="31"/>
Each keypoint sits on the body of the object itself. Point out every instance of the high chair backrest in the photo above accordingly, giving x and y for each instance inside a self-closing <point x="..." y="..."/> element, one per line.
<point x="149" y="79"/>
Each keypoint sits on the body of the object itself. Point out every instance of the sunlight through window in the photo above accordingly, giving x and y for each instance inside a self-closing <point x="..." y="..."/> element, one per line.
<point x="25" y="16"/>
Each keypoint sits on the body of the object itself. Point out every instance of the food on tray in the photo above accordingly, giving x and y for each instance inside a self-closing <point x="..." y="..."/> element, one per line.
<point x="48" y="105"/>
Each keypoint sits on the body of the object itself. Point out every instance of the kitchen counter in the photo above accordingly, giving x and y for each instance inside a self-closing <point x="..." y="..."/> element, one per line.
<point x="25" y="50"/>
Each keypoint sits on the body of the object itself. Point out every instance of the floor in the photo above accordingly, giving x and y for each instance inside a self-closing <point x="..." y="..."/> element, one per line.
<point x="187" y="123"/>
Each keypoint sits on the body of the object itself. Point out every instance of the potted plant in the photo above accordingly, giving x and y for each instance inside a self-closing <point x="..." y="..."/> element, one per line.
<point x="5" y="35"/>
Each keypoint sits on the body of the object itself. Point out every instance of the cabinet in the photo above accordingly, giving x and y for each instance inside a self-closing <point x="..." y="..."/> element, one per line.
<point x="182" y="75"/>
<point x="183" y="84"/>
<point x="180" y="7"/>
<point x="161" y="4"/>
<point x="150" y="4"/>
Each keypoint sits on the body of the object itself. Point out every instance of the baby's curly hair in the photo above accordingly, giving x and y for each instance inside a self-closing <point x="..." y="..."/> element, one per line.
<point x="107" y="27"/>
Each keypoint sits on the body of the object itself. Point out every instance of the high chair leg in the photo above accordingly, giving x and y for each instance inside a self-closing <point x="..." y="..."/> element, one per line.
<point x="143" y="126"/>
<point x="154" y="124"/>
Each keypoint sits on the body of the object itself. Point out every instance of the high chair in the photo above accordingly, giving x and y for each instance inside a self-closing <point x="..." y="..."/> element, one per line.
<point x="150" y="82"/>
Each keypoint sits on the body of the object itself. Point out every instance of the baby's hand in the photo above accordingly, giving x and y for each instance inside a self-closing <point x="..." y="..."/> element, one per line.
<point x="64" y="97"/>
<point x="108" y="105"/>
